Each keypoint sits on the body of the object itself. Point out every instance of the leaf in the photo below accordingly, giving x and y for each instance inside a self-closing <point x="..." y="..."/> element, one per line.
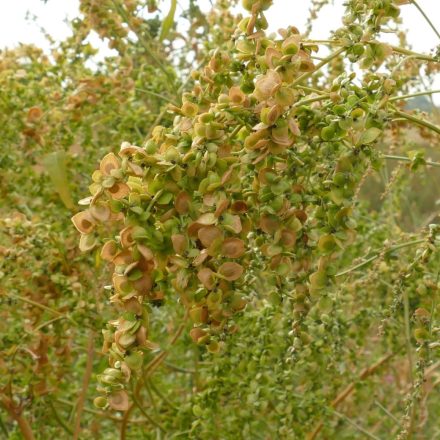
<point x="369" y="136"/>
<point x="55" y="164"/>
<point x="168" y="21"/>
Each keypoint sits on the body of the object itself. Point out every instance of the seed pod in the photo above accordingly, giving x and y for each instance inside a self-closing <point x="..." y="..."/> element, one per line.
<point x="87" y="242"/>
<point x="109" y="163"/>
<point x="206" y="277"/>
<point x="84" y="222"/>
<point x="190" y="109"/>
<point x="197" y="335"/>
<point x="119" y="190"/>
<point x="100" y="212"/>
<point x="232" y="248"/>
<point x="179" y="243"/>
<point x="236" y="95"/>
<point x="267" y="85"/>
<point x="119" y="400"/>
<point x="100" y="402"/>
<point x="230" y="271"/>
<point x="182" y="202"/>
<point x="208" y="234"/>
<point x="109" y="250"/>
<point x="290" y="45"/>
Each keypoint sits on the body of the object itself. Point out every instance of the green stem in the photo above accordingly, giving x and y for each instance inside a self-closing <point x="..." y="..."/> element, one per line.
<point x="419" y="56"/>
<point x="407" y="159"/>
<point x="311" y="89"/>
<point x="408" y="334"/>
<point x="43" y="307"/>
<point x="318" y="66"/>
<point x="157" y="95"/>
<point x="162" y="396"/>
<point x="387" y="412"/>
<point x="417" y="120"/>
<point x="376" y="256"/>
<point x="311" y="100"/>
<point x="426" y="17"/>
<point x="355" y="425"/>
<point x="179" y="369"/>
<point x="100" y="413"/>
<point x="397" y="49"/>
<point x="63" y="424"/>
<point x="412" y="95"/>
<point x="3" y="428"/>
<point x="146" y="415"/>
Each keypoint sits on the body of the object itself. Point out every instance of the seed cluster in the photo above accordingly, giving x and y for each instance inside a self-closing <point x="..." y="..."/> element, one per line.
<point x="253" y="168"/>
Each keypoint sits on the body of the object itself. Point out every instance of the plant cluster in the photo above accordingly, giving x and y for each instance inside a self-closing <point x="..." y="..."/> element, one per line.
<point x="272" y="273"/>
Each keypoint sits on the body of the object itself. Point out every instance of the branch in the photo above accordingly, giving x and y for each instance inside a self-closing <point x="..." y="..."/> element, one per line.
<point x="412" y="95"/>
<point x="418" y="121"/>
<point x="17" y="415"/>
<point x="86" y="379"/>
<point x="318" y="66"/>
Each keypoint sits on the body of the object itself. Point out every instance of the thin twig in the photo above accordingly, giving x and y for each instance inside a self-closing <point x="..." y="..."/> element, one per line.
<point x="349" y="390"/>
<point x="388" y="413"/>
<point x="161" y="395"/>
<point x="426" y="17"/>
<point x="157" y="95"/>
<point x="325" y="61"/>
<point x="149" y="418"/>
<point x="154" y="363"/>
<point x="85" y="385"/>
<point x="311" y="100"/>
<point x="59" y="419"/>
<point x="43" y="307"/>
<point x="358" y="427"/>
<point x="374" y="257"/>
<point x="407" y="159"/>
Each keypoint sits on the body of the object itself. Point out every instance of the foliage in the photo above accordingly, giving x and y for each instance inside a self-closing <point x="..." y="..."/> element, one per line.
<point x="259" y="288"/>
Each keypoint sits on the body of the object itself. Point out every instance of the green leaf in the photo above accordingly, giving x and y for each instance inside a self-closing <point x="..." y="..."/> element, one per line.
<point x="168" y="21"/>
<point x="55" y="164"/>
<point x="369" y="136"/>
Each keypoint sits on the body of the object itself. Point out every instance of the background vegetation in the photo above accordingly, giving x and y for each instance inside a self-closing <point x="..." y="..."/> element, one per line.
<point x="335" y="336"/>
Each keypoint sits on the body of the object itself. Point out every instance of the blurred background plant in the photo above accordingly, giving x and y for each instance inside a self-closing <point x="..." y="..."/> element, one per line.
<point x="369" y="364"/>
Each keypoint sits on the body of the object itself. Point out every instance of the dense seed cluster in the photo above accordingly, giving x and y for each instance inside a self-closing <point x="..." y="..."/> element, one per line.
<point x="234" y="179"/>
